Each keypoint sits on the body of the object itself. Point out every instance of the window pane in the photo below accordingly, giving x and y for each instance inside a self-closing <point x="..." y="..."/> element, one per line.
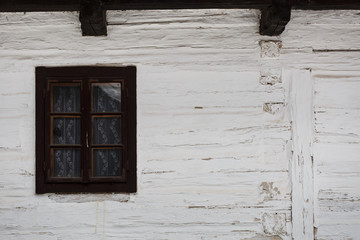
<point x="66" y="99"/>
<point x="66" y="130"/>
<point x="107" y="130"/>
<point x="106" y="162"/>
<point x="66" y="163"/>
<point x="106" y="97"/>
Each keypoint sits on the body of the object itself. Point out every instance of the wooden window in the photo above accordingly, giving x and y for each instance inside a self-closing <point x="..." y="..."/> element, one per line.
<point x="85" y="129"/>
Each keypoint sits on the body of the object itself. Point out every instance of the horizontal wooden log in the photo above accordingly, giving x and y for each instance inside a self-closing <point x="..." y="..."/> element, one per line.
<point x="74" y="5"/>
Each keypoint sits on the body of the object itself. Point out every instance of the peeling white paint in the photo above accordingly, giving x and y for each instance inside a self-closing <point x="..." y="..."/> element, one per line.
<point x="270" y="49"/>
<point x="300" y="105"/>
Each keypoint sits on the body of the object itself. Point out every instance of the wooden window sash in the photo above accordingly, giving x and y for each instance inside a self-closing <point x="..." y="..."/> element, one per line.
<point x="45" y="115"/>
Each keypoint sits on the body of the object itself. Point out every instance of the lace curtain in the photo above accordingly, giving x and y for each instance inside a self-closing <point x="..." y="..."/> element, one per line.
<point x="106" y="130"/>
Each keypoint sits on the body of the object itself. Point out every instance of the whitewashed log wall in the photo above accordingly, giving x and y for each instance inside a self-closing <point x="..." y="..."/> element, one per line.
<point x="240" y="136"/>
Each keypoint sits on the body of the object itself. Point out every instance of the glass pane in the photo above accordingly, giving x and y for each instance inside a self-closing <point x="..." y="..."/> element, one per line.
<point x="66" y="130"/>
<point x="106" y="162"/>
<point x="66" y="163"/>
<point x="106" y="97"/>
<point x="106" y="130"/>
<point x="66" y="99"/>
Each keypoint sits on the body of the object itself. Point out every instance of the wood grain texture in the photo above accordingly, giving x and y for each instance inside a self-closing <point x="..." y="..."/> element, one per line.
<point x="300" y="103"/>
<point x="337" y="154"/>
<point x="74" y="5"/>
<point x="211" y="162"/>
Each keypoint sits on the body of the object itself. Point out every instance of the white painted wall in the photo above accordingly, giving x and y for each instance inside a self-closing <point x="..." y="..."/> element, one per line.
<point x="229" y="123"/>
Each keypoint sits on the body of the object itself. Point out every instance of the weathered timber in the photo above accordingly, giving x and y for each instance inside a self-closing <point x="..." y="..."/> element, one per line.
<point x="208" y="155"/>
<point x="300" y="87"/>
<point x="326" y="4"/>
<point x="74" y="5"/>
<point x="275" y="14"/>
<point x="275" y="17"/>
<point x="92" y="18"/>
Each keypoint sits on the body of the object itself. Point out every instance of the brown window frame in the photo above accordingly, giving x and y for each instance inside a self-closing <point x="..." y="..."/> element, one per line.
<point x="85" y="76"/>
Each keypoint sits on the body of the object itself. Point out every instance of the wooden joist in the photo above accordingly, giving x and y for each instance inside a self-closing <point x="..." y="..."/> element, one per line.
<point x="92" y="18"/>
<point x="275" y="17"/>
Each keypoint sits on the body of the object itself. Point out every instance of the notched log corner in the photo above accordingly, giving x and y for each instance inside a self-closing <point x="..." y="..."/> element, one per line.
<point x="273" y="107"/>
<point x="274" y="224"/>
<point x="92" y="18"/>
<point x="274" y="18"/>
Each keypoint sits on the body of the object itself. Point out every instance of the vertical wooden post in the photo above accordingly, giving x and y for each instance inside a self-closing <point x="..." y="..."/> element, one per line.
<point x="300" y="106"/>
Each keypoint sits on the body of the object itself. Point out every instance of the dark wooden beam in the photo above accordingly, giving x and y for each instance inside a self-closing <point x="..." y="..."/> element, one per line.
<point x="184" y="4"/>
<point x="74" y="5"/>
<point x="275" y="17"/>
<point x="326" y="4"/>
<point x="92" y="18"/>
<point x="39" y="5"/>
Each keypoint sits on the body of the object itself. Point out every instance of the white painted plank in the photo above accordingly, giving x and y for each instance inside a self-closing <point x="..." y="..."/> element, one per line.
<point x="300" y="104"/>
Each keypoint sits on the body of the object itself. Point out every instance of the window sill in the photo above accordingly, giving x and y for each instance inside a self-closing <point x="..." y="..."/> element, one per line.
<point x="91" y="197"/>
